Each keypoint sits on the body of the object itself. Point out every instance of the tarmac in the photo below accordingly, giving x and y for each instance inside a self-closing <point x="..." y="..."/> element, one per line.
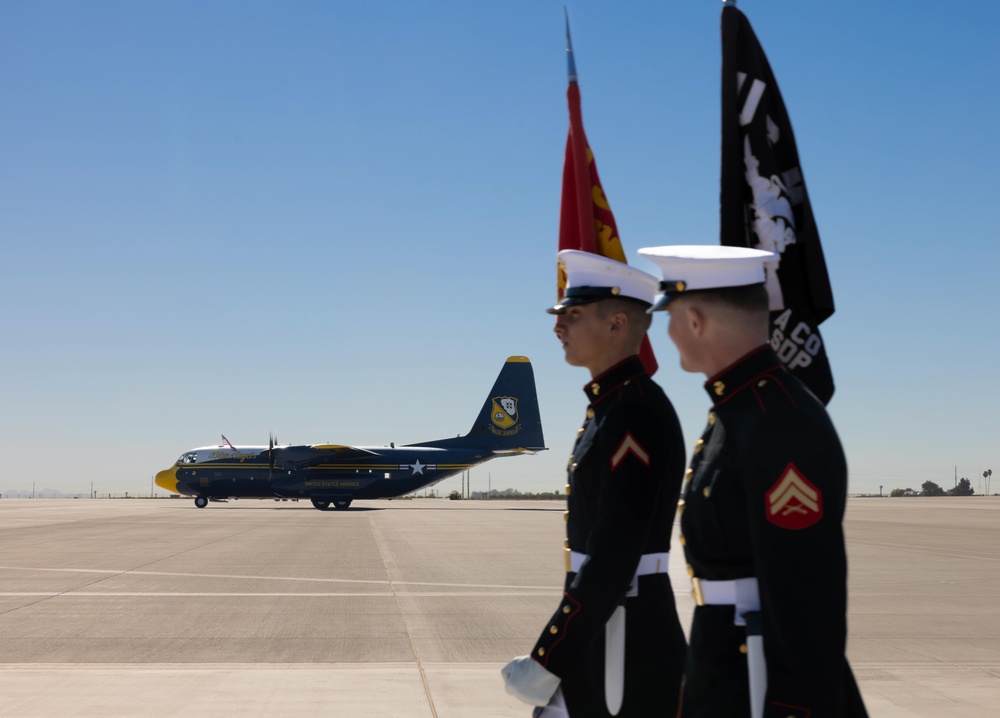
<point x="411" y="607"/>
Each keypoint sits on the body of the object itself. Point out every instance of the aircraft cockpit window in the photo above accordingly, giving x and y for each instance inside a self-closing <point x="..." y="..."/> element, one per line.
<point x="188" y="458"/>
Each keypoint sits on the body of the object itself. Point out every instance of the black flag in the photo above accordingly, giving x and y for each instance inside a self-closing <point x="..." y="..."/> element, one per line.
<point x="764" y="203"/>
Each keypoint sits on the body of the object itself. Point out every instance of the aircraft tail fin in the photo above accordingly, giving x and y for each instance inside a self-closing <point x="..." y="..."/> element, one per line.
<point x="510" y="421"/>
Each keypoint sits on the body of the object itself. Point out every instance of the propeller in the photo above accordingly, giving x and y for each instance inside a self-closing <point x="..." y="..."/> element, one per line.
<point x="271" y="441"/>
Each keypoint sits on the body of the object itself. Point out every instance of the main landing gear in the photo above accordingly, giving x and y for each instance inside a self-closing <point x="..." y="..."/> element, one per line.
<point x="200" y="501"/>
<point x="324" y="504"/>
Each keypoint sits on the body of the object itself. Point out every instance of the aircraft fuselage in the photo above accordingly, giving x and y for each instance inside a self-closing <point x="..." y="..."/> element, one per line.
<point x="221" y="473"/>
<point x="508" y="424"/>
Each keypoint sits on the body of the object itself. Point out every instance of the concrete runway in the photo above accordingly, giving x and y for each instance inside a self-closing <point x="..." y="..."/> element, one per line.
<point x="410" y="607"/>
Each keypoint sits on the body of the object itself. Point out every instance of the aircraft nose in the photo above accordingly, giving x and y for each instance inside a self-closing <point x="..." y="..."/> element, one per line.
<point x="167" y="479"/>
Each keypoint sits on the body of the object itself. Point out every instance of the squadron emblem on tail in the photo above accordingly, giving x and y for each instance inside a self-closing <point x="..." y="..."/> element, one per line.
<point x="504" y="411"/>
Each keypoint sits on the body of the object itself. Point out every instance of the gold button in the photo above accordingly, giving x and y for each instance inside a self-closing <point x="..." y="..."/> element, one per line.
<point x="719" y="388"/>
<point x="596" y="388"/>
<point x="590" y="413"/>
<point x="541" y="651"/>
<point x="579" y="431"/>
<point x="628" y="382"/>
<point x="762" y="382"/>
<point x="707" y="491"/>
<point x="681" y="502"/>
<point x="711" y="418"/>
<point x="690" y="570"/>
<point x="743" y="648"/>
<point x="687" y="474"/>
<point x="682" y="540"/>
<point x="566" y="516"/>
<point x="567" y="489"/>
<point x="553" y="630"/>
<point x="698" y="445"/>
<point x="573" y="466"/>
<point x="680" y="510"/>
<point x="565" y="609"/>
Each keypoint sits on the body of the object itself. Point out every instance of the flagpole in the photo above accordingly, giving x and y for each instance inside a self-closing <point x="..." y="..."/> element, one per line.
<point x="580" y="168"/>
<point x="570" y="62"/>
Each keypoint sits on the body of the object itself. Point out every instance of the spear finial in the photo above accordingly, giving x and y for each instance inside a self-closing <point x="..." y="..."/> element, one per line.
<point x="728" y="3"/>
<point x="570" y="62"/>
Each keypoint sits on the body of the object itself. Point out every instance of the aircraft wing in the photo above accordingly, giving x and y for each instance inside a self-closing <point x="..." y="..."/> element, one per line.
<point x="300" y="457"/>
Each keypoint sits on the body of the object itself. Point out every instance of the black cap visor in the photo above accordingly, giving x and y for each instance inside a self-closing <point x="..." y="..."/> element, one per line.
<point x="575" y="296"/>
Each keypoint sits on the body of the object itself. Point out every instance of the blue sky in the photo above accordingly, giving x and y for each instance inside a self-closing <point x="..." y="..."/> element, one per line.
<point x="336" y="220"/>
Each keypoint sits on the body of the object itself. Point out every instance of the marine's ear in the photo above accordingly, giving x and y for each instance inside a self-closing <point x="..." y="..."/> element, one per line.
<point x="696" y="319"/>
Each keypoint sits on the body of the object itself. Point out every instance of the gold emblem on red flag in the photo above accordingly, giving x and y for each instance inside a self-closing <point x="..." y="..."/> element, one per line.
<point x="794" y="502"/>
<point x="561" y="279"/>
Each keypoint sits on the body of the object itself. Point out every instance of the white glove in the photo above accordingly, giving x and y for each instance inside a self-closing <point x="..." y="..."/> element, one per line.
<point x="528" y="681"/>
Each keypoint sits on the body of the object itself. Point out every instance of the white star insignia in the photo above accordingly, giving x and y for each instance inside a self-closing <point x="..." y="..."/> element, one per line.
<point x="417" y="467"/>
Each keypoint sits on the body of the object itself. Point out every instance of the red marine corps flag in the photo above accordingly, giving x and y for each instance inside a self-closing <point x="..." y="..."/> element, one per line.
<point x="764" y="203"/>
<point x="585" y="219"/>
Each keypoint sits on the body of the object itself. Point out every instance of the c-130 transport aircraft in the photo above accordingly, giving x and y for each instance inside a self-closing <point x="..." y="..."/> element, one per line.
<point x="508" y="424"/>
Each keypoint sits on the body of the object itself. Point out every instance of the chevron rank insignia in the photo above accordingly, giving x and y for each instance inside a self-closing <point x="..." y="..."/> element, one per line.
<point x="794" y="502"/>
<point x="629" y="446"/>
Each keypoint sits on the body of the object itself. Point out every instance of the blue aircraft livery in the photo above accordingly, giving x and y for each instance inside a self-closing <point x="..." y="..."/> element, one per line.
<point x="509" y="423"/>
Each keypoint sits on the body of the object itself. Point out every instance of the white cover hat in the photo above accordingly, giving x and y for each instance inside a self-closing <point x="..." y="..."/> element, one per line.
<point x="693" y="267"/>
<point x="591" y="277"/>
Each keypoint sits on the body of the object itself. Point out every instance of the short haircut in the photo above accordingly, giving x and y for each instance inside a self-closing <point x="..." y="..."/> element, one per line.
<point x="751" y="299"/>
<point x="634" y="309"/>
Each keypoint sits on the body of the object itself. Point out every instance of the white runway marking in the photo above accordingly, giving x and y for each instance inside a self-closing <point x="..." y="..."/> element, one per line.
<point x="382" y="582"/>
<point x="199" y="594"/>
<point x="230" y="594"/>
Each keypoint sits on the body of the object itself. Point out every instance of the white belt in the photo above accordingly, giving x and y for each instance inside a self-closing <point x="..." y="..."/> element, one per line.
<point x="743" y="593"/>
<point x="649" y="563"/>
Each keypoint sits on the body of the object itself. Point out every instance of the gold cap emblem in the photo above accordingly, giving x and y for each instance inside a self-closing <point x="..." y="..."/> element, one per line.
<point x="596" y="388"/>
<point x="719" y="388"/>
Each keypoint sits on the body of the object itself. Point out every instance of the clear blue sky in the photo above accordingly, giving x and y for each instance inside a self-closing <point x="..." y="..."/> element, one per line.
<point x="336" y="220"/>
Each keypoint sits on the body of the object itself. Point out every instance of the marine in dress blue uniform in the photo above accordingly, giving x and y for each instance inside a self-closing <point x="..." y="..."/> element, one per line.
<point x="624" y="478"/>
<point x="762" y="507"/>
